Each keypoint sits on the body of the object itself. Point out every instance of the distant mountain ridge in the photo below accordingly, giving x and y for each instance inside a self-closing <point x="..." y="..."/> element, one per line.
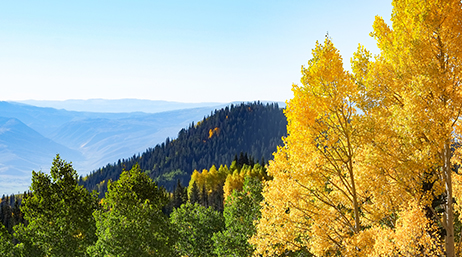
<point x="117" y="105"/>
<point x="23" y="149"/>
<point x="31" y="136"/>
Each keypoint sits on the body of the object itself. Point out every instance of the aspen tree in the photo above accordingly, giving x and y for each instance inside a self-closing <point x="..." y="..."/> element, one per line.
<point x="314" y="201"/>
<point x="417" y="78"/>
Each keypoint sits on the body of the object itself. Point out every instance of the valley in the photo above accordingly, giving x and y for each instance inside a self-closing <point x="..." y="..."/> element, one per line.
<point x="31" y="136"/>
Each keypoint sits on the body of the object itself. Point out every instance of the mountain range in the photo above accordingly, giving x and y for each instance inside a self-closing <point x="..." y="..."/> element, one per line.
<point x="117" y="105"/>
<point x="31" y="136"/>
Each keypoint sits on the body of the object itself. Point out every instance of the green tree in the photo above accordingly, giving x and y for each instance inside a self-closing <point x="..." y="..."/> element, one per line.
<point x="131" y="222"/>
<point x="194" y="197"/>
<point x="242" y="209"/>
<point x="58" y="213"/>
<point x="195" y="226"/>
<point x="6" y="246"/>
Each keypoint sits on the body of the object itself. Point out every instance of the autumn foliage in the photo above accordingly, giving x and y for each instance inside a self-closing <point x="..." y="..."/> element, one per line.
<point x="369" y="164"/>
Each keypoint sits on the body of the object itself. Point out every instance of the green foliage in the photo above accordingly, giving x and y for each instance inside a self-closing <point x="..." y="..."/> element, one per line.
<point x="253" y="128"/>
<point x="195" y="226"/>
<point x="10" y="213"/>
<point x="169" y="177"/>
<point x="6" y="246"/>
<point x="58" y="213"/>
<point x="177" y="198"/>
<point x="131" y="222"/>
<point x="242" y="209"/>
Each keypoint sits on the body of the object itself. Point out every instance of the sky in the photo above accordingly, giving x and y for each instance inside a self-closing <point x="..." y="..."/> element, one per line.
<point x="185" y="51"/>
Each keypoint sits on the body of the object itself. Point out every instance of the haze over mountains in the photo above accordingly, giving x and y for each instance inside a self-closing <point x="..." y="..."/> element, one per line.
<point x="31" y="136"/>
<point x="117" y="105"/>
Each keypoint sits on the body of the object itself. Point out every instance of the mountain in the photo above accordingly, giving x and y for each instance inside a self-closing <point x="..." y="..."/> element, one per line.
<point x="23" y="149"/>
<point x="117" y="105"/>
<point x="32" y="136"/>
<point x="104" y="140"/>
<point x="46" y="120"/>
<point x="252" y="128"/>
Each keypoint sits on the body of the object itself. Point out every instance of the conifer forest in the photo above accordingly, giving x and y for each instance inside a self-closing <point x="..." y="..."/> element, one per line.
<point x="362" y="161"/>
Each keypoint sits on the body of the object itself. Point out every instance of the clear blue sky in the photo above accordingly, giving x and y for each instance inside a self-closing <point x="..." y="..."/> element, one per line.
<point x="188" y="51"/>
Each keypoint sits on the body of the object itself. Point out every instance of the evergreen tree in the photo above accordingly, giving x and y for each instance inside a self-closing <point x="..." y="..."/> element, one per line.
<point x="180" y="195"/>
<point x="216" y="198"/>
<point x="194" y="197"/>
<point x="204" y="197"/>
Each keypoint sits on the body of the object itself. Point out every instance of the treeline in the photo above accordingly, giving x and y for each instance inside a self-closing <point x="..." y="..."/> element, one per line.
<point x="210" y="188"/>
<point x="10" y="211"/>
<point x="137" y="217"/>
<point x="253" y="128"/>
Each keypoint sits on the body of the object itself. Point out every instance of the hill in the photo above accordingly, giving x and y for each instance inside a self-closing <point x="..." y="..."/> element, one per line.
<point x="253" y="128"/>
<point x="23" y="149"/>
<point x="31" y="136"/>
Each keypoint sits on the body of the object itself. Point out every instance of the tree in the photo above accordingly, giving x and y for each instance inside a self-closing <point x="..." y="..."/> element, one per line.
<point x="386" y="173"/>
<point x="414" y="89"/>
<point x="58" y="213"/>
<point x="194" y="196"/>
<point x="131" y="222"/>
<point x="178" y="197"/>
<point x="315" y="198"/>
<point x="242" y="210"/>
<point x="6" y="245"/>
<point x="195" y="226"/>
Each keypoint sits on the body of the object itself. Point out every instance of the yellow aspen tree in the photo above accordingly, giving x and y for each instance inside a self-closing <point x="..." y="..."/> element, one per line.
<point x="195" y="178"/>
<point x="234" y="181"/>
<point x="313" y="201"/>
<point x="413" y="95"/>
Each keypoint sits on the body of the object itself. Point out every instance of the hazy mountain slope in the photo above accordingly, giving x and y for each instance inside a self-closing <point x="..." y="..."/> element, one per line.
<point x="89" y="140"/>
<point x="254" y="128"/>
<point x="103" y="141"/>
<point x="22" y="150"/>
<point x="117" y="105"/>
<point x="47" y="120"/>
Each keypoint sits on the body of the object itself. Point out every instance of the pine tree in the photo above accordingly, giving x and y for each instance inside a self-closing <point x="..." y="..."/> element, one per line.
<point x="194" y="197"/>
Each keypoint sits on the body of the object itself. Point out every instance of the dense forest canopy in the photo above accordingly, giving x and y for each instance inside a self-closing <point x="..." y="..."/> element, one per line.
<point x="252" y="128"/>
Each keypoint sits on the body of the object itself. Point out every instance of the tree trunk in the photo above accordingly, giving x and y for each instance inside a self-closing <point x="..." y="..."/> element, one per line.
<point x="448" y="218"/>
<point x="353" y="186"/>
<point x="355" y="202"/>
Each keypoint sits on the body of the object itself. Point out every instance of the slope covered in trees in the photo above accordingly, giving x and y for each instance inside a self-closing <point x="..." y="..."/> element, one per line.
<point x="253" y="128"/>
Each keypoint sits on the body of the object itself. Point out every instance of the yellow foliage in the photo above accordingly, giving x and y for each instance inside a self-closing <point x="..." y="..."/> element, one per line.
<point x="363" y="184"/>
<point x="414" y="235"/>
<point x="214" y="131"/>
<point x="233" y="182"/>
<point x="314" y="199"/>
<point x="208" y="179"/>
<point x="419" y="101"/>
<point x="229" y="179"/>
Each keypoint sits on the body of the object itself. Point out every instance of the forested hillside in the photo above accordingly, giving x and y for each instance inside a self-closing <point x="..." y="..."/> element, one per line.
<point x="252" y="128"/>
